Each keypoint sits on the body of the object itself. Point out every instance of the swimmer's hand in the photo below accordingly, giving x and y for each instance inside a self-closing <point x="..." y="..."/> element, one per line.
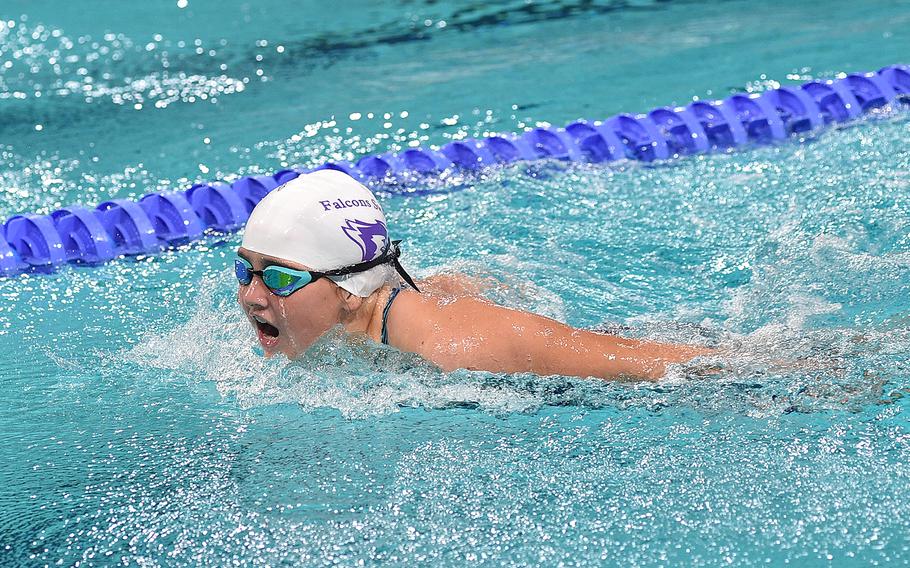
<point x="727" y="360"/>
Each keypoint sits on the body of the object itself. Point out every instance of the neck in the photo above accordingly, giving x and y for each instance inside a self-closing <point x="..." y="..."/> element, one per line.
<point x="367" y="318"/>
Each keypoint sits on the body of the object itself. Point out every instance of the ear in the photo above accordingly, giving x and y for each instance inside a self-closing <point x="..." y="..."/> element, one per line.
<point x="350" y="302"/>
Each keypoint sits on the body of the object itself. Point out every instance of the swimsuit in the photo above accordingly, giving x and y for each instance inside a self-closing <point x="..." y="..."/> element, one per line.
<point x="385" y="314"/>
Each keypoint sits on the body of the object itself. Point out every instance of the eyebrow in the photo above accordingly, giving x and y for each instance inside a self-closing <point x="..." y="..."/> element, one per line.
<point x="244" y="257"/>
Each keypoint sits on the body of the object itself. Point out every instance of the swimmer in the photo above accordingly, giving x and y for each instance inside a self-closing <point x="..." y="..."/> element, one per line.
<point x="316" y="254"/>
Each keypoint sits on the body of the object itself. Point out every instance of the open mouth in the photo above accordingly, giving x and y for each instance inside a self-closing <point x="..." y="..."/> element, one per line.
<point x="267" y="329"/>
<point x="268" y="333"/>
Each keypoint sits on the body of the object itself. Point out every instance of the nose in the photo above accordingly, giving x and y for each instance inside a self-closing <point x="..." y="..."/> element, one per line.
<point x="254" y="295"/>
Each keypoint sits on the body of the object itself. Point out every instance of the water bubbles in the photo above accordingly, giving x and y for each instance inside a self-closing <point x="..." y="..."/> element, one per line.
<point x="58" y="66"/>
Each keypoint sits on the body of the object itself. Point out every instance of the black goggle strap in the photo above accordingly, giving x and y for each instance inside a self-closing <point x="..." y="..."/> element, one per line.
<point x="398" y="267"/>
<point x="391" y="254"/>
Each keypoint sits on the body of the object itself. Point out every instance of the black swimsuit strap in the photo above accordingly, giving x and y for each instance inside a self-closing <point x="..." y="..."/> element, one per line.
<point x="385" y="314"/>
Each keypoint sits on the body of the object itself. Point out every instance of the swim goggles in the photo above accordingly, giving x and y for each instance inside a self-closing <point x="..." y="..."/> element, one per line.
<point x="283" y="281"/>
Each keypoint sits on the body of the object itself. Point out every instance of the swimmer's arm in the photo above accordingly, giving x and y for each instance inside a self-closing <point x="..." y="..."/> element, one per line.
<point x="473" y="334"/>
<point x="560" y="349"/>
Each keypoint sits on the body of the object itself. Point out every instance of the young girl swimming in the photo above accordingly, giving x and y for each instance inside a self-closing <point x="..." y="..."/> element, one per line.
<point x="316" y="254"/>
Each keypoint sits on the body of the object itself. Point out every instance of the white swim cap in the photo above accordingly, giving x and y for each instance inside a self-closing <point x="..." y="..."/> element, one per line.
<point x="326" y="220"/>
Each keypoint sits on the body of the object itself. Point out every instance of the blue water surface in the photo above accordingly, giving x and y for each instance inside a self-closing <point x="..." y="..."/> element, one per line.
<point x="139" y="426"/>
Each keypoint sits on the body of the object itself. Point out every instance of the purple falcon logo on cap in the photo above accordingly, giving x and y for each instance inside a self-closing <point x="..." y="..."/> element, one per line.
<point x="370" y="237"/>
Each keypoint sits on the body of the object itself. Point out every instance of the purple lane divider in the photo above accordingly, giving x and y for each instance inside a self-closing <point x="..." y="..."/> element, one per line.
<point x="759" y="117"/>
<point x="468" y="154"/>
<point x="797" y="110"/>
<point x="642" y="138"/>
<point x="173" y="218"/>
<point x="9" y="261"/>
<point x="83" y="236"/>
<point x="36" y="240"/>
<point x="833" y="101"/>
<point x="218" y="205"/>
<point x="898" y="77"/>
<point x="870" y="90"/>
<point x="422" y="161"/>
<point x="159" y="220"/>
<point x="129" y="227"/>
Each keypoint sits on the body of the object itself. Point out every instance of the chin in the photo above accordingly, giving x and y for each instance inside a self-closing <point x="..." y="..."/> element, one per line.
<point x="296" y="347"/>
<point x="291" y="347"/>
<point x="290" y="353"/>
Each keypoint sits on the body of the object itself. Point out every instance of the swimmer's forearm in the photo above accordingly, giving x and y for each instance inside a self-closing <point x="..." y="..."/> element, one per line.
<point x="648" y="360"/>
<point x="557" y="348"/>
<point x="588" y="354"/>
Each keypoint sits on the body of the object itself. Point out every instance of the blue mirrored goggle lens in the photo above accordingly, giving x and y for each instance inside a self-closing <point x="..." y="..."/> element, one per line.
<point x="283" y="281"/>
<point x="279" y="280"/>
<point x="242" y="271"/>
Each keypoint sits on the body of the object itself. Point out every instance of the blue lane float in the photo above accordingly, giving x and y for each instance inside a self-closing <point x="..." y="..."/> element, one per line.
<point x="160" y="220"/>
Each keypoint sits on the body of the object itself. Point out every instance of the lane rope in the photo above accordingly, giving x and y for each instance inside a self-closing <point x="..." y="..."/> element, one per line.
<point x="157" y="221"/>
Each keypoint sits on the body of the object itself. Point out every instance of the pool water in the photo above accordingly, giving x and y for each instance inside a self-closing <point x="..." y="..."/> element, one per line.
<point x="140" y="426"/>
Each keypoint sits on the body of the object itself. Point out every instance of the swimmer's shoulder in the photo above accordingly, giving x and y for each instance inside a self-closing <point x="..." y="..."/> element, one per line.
<point x="449" y="330"/>
<point x="413" y="316"/>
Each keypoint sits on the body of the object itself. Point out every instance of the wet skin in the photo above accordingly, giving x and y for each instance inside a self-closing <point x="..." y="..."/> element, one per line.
<point x="291" y="324"/>
<point x="449" y="328"/>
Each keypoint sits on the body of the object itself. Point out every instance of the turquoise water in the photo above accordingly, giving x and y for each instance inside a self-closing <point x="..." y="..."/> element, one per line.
<point x="139" y="426"/>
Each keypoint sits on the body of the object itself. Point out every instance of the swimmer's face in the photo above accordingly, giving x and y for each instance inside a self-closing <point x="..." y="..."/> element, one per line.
<point x="291" y="324"/>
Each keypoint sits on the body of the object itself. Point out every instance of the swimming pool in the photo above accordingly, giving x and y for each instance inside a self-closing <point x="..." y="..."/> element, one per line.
<point x="139" y="425"/>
